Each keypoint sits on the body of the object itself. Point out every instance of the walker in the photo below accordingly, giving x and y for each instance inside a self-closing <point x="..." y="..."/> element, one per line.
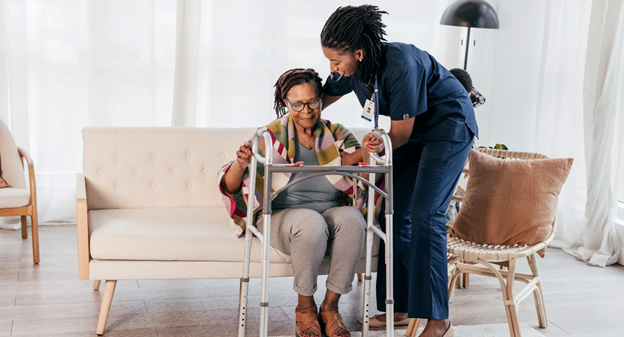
<point x="385" y="167"/>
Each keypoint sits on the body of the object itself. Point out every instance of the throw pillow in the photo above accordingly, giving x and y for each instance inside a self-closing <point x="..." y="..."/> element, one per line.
<point x="510" y="202"/>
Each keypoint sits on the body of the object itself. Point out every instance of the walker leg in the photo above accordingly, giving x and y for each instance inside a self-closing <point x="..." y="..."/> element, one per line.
<point x="389" y="251"/>
<point x="367" y="282"/>
<point x="266" y="246"/>
<point x="244" y="293"/>
<point x="370" y="222"/>
<point x="244" y="284"/>
<point x="389" y="278"/>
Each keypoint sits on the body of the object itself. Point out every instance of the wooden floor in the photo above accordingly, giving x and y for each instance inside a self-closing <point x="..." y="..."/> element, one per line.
<point x="49" y="300"/>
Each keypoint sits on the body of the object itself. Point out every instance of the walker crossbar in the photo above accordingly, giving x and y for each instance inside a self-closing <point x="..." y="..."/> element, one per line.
<point x="348" y="171"/>
<point x="329" y="169"/>
<point x="377" y="189"/>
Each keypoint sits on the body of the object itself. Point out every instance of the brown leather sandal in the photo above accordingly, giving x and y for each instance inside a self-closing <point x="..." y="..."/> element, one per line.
<point x="331" y="321"/>
<point x="307" y="321"/>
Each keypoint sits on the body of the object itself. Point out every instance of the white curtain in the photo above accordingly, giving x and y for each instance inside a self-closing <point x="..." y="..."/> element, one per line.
<point x="559" y="121"/>
<point x="556" y="89"/>
<point x="67" y="64"/>
<point x="81" y="63"/>
<point x="604" y="123"/>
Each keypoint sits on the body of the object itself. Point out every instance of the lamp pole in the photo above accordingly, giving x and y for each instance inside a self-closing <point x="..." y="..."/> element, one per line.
<point x="470" y="14"/>
<point x="467" y="45"/>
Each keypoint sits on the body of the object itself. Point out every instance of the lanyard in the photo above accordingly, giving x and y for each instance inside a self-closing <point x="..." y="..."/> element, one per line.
<point x="376" y="100"/>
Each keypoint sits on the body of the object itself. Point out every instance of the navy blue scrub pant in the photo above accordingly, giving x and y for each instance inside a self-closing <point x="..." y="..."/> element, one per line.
<point x="425" y="175"/>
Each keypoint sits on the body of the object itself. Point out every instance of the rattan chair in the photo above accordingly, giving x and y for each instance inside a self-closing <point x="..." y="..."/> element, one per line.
<point x="477" y="258"/>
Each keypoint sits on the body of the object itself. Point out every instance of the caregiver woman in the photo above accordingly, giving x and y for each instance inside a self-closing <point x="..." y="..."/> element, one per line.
<point x="432" y="130"/>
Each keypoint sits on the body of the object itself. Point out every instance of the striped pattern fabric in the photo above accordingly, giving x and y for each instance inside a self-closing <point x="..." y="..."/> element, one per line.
<point x="331" y="140"/>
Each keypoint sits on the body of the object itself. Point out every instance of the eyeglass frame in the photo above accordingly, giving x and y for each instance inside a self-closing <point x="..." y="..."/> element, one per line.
<point x="318" y="100"/>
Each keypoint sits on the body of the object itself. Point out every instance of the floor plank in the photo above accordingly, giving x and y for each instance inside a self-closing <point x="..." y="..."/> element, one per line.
<point x="48" y="299"/>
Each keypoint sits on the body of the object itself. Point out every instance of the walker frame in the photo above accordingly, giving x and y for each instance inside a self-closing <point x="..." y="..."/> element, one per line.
<point x="348" y="171"/>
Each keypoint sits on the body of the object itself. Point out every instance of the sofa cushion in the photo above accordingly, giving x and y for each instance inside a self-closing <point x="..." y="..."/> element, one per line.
<point x="181" y="234"/>
<point x="171" y="234"/>
<point x="14" y="197"/>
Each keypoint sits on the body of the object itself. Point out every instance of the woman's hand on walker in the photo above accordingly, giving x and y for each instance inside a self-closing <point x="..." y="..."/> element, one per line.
<point x="372" y="144"/>
<point x="243" y="155"/>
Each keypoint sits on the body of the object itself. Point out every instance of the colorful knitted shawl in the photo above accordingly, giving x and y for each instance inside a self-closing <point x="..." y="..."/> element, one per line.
<point x="331" y="140"/>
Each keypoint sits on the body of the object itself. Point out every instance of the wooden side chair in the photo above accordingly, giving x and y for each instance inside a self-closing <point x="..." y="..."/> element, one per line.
<point x="18" y="200"/>
<point x="481" y="259"/>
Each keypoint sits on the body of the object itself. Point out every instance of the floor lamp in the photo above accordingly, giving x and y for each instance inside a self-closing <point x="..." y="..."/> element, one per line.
<point x="471" y="14"/>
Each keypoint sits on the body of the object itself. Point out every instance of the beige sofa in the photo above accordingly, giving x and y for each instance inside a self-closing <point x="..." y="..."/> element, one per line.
<point x="148" y="208"/>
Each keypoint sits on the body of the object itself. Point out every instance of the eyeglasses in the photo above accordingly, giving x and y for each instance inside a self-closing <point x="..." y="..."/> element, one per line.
<point x="335" y="74"/>
<point x="299" y="106"/>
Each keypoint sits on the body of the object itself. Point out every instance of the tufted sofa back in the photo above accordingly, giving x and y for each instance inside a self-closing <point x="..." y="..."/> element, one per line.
<point x="158" y="167"/>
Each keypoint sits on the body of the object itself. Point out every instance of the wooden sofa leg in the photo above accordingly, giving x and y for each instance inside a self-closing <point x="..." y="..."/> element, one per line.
<point x="35" y="236"/>
<point x="24" y="227"/>
<point x="96" y="284"/>
<point x="109" y="291"/>
<point x="360" y="277"/>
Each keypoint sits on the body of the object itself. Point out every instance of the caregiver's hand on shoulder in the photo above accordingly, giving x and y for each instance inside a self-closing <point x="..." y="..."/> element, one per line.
<point x="372" y="144"/>
<point x="243" y="155"/>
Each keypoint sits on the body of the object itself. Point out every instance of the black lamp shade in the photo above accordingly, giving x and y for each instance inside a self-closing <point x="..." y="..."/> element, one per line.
<point x="470" y="13"/>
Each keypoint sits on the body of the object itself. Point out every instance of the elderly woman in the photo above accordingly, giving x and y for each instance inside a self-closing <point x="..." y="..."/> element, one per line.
<point x="309" y="218"/>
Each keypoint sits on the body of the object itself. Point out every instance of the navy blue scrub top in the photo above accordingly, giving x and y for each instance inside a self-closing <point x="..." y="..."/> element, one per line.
<point x="413" y="84"/>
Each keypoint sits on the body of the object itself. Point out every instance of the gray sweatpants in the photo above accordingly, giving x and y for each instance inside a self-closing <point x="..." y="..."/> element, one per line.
<point x="306" y="235"/>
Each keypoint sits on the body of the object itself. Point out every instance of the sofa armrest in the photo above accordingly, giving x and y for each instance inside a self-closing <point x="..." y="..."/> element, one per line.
<point x="82" y="227"/>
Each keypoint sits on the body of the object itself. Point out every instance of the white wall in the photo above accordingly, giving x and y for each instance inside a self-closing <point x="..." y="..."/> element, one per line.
<point x="504" y="65"/>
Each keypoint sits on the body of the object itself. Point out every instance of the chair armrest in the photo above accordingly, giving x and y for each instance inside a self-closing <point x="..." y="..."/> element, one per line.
<point x="82" y="227"/>
<point x="24" y="155"/>
<point x="31" y="175"/>
<point x="459" y="195"/>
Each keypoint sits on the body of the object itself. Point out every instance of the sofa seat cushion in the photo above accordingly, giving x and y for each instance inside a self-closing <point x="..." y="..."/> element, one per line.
<point x="14" y="197"/>
<point x="170" y="234"/>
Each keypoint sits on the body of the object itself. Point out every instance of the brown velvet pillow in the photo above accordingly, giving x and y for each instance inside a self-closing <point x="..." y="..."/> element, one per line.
<point x="510" y="202"/>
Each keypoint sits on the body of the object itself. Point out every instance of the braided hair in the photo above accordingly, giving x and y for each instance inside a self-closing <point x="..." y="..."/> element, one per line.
<point x="288" y="80"/>
<point x="463" y="77"/>
<point x="351" y="28"/>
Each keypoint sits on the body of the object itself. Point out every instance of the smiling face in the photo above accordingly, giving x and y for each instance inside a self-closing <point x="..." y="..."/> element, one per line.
<point x="303" y="93"/>
<point x="344" y="62"/>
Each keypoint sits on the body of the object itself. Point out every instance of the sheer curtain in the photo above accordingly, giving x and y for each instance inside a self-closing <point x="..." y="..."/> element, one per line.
<point x="559" y="121"/>
<point x="580" y="114"/>
<point x="67" y="64"/>
<point x="604" y="123"/>
<point x="556" y="89"/>
<point x="82" y="63"/>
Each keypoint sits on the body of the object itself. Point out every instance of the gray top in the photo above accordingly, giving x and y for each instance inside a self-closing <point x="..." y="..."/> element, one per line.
<point x="315" y="193"/>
